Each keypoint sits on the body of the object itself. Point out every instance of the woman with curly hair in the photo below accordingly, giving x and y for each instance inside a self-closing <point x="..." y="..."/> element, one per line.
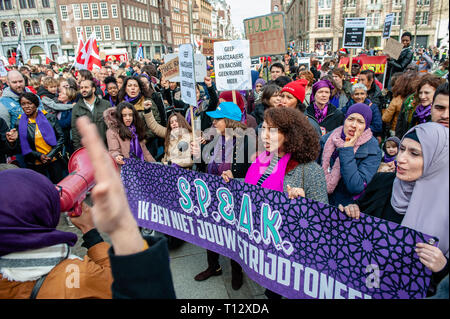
<point x="288" y="162"/>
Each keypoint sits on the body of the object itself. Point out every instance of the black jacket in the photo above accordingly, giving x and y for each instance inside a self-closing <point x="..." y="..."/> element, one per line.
<point x="374" y="94"/>
<point x="402" y="62"/>
<point x="334" y="118"/>
<point x="5" y="148"/>
<point x="258" y="113"/>
<point x="31" y="158"/>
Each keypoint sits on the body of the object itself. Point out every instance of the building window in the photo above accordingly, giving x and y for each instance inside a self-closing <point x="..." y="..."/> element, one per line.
<point x="373" y="19"/>
<point x="50" y="27"/>
<point x="76" y="11"/>
<point x="107" y="32"/>
<point x="397" y="18"/>
<point x="23" y="4"/>
<point x="328" y="21"/>
<point x="27" y="27"/>
<point x="86" y="12"/>
<point x="95" y="13"/>
<point x="31" y="4"/>
<point x="117" y="33"/>
<point x="79" y="31"/>
<point x="154" y="3"/>
<point x="36" y="28"/>
<point x="425" y="17"/>
<point x="423" y="2"/>
<point x="155" y="17"/>
<point x="397" y="3"/>
<point x="88" y="30"/>
<point x="13" y="29"/>
<point x="5" y="30"/>
<point x="46" y="3"/>
<point x="114" y="12"/>
<point x="320" y="21"/>
<point x="98" y="32"/>
<point x="64" y="13"/>
<point x="104" y="9"/>
<point x="324" y="4"/>
<point x="350" y="3"/>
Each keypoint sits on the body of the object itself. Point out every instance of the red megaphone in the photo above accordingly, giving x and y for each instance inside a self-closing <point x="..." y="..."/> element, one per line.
<point x="74" y="187"/>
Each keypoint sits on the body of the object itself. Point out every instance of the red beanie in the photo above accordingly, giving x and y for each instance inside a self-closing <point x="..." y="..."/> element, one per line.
<point x="297" y="89"/>
<point x="228" y="97"/>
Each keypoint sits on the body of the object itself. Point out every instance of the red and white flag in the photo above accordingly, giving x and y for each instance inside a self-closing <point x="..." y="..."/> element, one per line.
<point x="88" y="57"/>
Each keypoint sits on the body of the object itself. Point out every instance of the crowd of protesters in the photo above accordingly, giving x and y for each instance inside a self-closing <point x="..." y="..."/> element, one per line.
<point x="342" y="138"/>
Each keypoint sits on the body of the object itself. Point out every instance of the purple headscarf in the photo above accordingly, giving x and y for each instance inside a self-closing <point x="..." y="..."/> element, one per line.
<point x="318" y="85"/>
<point x="29" y="212"/>
<point x="425" y="202"/>
<point x="44" y="127"/>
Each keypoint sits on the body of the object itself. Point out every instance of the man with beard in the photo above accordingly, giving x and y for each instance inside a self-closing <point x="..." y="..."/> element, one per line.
<point x="91" y="106"/>
<point x="439" y="109"/>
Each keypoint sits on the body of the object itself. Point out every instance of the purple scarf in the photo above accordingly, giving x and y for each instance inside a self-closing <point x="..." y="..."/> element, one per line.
<point x="219" y="165"/>
<point x="132" y="100"/>
<point x="319" y="114"/>
<point x="112" y="102"/>
<point x="195" y="108"/>
<point x="388" y="159"/>
<point x="29" y="212"/>
<point x="135" y="146"/>
<point x="423" y="112"/>
<point x="44" y="126"/>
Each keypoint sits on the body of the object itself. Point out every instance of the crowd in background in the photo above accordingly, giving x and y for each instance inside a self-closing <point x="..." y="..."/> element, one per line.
<point x="342" y="138"/>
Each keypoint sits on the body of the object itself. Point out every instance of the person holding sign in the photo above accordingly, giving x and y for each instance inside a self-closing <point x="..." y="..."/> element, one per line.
<point x="408" y="196"/>
<point x="288" y="162"/>
<point x="405" y="58"/>
<point x="229" y="156"/>
<point x="320" y="108"/>
<point x="350" y="156"/>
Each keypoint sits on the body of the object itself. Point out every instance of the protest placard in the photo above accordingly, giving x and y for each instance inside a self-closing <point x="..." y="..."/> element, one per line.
<point x="304" y="61"/>
<point x="266" y="34"/>
<point x="187" y="74"/>
<point x="200" y="67"/>
<point x="208" y="46"/>
<point x="232" y="65"/>
<point x="393" y="48"/>
<point x="170" y="69"/>
<point x="388" y="25"/>
<point x="377" y="63"/>
<point x="354" y="33"/>
<point x="3" y="71"/>
<point x="297" y="248"/>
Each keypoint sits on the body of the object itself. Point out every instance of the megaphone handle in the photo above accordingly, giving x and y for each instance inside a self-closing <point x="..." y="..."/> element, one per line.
<point x="76" y="212"/>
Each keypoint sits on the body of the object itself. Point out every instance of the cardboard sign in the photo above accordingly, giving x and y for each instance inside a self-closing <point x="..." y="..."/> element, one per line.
<point x="208" y="46"/>
<point x="388" y="25"/>
<point x="393" y="48"/>
<point x="200" y="67"/>
<point x="187" y="74"/>
<point x="233" y="65"/>
<point x="354" y="33"/>
<point x="266" y="34"/>
<point x="170" y="69"/>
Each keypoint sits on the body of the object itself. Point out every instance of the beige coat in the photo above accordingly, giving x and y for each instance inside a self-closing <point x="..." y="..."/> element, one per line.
<point x="390" y="115"/>
<point x="173" y="153"/>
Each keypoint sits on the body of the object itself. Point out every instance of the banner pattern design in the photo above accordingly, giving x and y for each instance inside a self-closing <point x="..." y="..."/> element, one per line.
<point x="314" y="250"/>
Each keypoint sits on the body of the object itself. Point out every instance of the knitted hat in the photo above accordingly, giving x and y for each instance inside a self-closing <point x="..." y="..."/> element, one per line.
<point x="362" y="109"/>
<point x="297" y="89"/>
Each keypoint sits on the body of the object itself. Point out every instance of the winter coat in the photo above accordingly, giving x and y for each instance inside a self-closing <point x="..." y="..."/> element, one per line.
<point x="42" y="91"/>
<point x="116" y="145"/>
<point x="10" y="108"/>
<point x="376" y="125"/>
<point x="5" y="148"/>
<point x="357" y="170"/>
<point x="390" y="115"/>
<point x="402" y="62"/>
<point x="174" y="154"/>
<point x="94" y="272"/>
<point x="34" y="156"/>
<point x="80" y="109"/>
<point x="374" y="94"/>
<point x="258" y="113"/>
<point x="405" y="116"/>
<point x="334" y="118"/>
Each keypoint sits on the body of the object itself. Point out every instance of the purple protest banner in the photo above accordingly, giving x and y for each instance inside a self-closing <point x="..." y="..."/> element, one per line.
<point x="297" y="248"/>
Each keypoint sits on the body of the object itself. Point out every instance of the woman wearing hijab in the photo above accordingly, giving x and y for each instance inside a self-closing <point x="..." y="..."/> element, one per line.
<point x="259" y="85"/>
<point x="350" y="156"/>
<point x="416" y="195"/>
<point x="229" y="156"/>
<point x="320" y="108"/>
<point x="33" y="253"/>
<point x="40" y="138"/>
<point x="126" y="134"/>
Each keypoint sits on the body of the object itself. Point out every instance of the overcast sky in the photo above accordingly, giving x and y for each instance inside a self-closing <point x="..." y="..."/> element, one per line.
<point x="242" y="9"/>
